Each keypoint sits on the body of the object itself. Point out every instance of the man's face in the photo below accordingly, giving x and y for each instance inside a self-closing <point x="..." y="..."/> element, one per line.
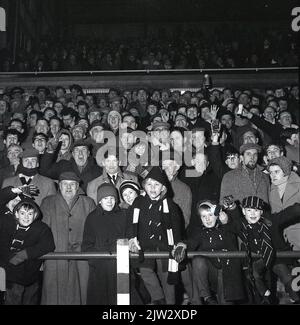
<point x="108" y="203"/>
<point x="269" y="113"/>
<point x="153" y="188"/>
<point x="58" y="107"/>
<point x="156" y="96"/>
<point x="283" y="105"/>
<point x="30" y="162"/>
<point x="279" y="92"/>
<point x="200" y="163"/>
<point x="162" y="134"/>
<point x="65" y="139"/>
<point x="116" y="106"/>
<point x="208" y="218"/>
<point x="42" y="127"/>
<point x="97" y="133"/>
<point x="39" y="144"/>
<point x="227" y="121"/>
<point x="142" y="96"/>
<point x="205" y="113"/>
<point x="17" y="125"/>
<point x="11" y="139"/>
<point x="198" y="139"/>
<point x="68" y="120"/>
<point x="3" y="106"/>
<point x="276" y="174"/>
<point x="68" y="188"/>
<point x="78" y="133"/>
<point x="164" y="96"/>
<point x="285" y="119"/>
<point x="13" y="154"/>
<point x="273" y="152"/>
<point x="25" y="216"/>
<point x="232" y="161"/>
<point x="93" y="116"/>
<point x="152" y="109"/>
<point x="249" y="137"/>
<point x="244" y="99"/>
<point x="171" y="168"/>
<point x="89" y="100"/>
<point x="80" y="155"/>
<point x="111" y="164"/>
<point x="250" y="158"/>
<point x="32" y="120"/>
<point x="82" y="110"/>
<point x="113" y="120"/>
<point x="130" y="122"/>
<point x="192" y="113"/>
<point x="177" y="140"/>
<point x="252" y="215"/>
<point x="54" y="126"/>
<point x="294" y="140"/>
<point x="127" y="140"/>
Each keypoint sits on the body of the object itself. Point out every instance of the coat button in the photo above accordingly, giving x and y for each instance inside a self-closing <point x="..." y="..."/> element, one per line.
<point x="70" y="229"/>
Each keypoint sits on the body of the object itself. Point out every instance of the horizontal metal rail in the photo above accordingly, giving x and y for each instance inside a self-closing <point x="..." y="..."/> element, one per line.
<point x="216" y="254"/>
<point x="145" y="71"/>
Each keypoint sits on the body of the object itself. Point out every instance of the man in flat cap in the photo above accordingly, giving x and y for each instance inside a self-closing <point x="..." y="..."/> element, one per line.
<point x="28" y="173"/>
<point x="248" y="179"/>
<point x="65" y="281"/>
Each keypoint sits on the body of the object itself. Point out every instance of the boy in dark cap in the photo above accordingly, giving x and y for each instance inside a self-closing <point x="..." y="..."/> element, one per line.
<point x="156" y="226"/>
<point x="263" y="235"/>
<point x="23" y="239"/>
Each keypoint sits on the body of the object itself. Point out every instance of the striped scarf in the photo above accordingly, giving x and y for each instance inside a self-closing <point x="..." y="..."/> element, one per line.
<point x="257" y="237"/>
<point x="172" y="264"/>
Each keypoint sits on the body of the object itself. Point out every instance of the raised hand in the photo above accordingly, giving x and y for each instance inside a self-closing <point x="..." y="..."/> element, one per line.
<point x="214" y="111"/>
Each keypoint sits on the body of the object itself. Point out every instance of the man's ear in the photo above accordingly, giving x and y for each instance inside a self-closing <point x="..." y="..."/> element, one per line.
<point x="244" y="212"/>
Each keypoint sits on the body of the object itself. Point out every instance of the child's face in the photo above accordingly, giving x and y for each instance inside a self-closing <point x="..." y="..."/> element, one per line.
<point x="129" y="195"/>
<point x="108" y="203"/>
<point x="25" y="217"/>
<point x="153" y="188"/>
<point x="208" y="218"/>
<point x="252" y="215"/>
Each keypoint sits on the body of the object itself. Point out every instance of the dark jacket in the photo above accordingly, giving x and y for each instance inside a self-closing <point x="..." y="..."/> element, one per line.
<point x="38" y="241"/>
<point x="275" y="222"/>
<point x="219" y="238"/>
<point x="101" y="231"/>
<point x="51" y="169"/>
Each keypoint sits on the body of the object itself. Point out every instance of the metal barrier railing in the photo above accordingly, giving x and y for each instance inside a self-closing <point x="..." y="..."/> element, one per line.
<point x="123" y="256"/>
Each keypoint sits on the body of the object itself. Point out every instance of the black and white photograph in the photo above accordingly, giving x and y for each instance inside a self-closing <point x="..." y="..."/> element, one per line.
<point x="149" y="155"/>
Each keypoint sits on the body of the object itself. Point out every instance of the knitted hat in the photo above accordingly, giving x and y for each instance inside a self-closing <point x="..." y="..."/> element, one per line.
<point x="69" y="176"/>
<point x="249" y="146"/>
<point x="129" y="184"/>
<point x="284" y="163"/>
<point x="158" y="174"/>
<point x="106" y="189"/>
<point x="253" y="202"/>
<point x="30" y="152"/>
<point x="97" y="123"/>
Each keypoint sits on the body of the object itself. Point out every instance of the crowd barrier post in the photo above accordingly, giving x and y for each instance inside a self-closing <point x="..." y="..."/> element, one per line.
<point x="123" y="277"/>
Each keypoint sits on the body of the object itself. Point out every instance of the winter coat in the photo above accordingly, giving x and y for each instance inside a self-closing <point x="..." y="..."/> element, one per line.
<point x="65" y="281"/>
<point x="291" y="195"/>
<point x="219" y="238"/>
<point x="37" y="241"/>
<point x="45" y="185"/>
<point x="101" y="231"/>
<point x="239" y="184"/>
<point x="104" y="178"/>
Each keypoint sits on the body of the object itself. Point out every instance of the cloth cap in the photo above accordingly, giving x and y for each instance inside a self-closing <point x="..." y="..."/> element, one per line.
<point x="253" y="202"/>
<point x="284" y="163"/>
<point x="69" y="176"/>
<point x="249" y="146"/>
<point x="129" y="184"/>
<point x="30" y="152"/>
<point x="159" y="175"/>
<point x="160" y="124"/>
<point x="105" y="190"/>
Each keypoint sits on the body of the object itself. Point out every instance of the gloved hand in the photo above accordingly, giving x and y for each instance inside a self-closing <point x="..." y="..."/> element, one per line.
<point x="228" y="202"/>
<point x="19" y="257"/>
<point x="179" y="252"/>
<point x="29" y="190"/>
<point x="53" y="145"/>
<point x="134" y="245"/>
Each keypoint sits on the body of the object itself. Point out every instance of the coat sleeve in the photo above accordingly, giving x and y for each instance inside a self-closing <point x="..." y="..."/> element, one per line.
<point x="226" y="186"/>
<point x="177" y="222"/>
<point x="46" y="211"/>
<point x="44" y="245"/>
<point x="7" y="195"/>
<point x="216" y="161"/>
<point x="271" y="129"/>
<point x="288" y="216"/>
<point x="89" y="237"/>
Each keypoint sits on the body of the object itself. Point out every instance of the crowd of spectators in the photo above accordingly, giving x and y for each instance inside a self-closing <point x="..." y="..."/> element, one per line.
<point x="222" y="47"/>
<point x="169" y="170"/>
